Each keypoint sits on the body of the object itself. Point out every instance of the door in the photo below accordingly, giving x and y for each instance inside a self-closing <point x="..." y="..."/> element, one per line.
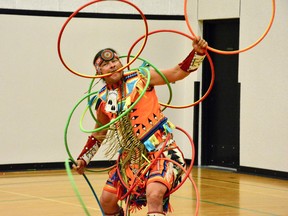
<point x="221" y="109"/>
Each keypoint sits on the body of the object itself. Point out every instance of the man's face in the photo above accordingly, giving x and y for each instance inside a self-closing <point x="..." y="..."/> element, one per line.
<point x="111" y="67"/>
<point x="108" y="62"/>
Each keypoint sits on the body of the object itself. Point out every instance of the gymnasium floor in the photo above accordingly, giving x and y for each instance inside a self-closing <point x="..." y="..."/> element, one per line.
<point x="50" y="193"/>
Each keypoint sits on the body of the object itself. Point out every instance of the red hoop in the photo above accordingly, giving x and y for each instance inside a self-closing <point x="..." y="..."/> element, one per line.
<point x="74" y="14"/>
<point x="209" y="59"/>
<point x="234" y="51"/>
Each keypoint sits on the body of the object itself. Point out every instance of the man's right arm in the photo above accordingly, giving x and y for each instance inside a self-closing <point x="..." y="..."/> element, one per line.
<point x="92" y="145"/>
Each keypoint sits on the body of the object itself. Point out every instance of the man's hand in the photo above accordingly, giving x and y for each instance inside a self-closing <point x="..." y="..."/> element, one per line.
<point x="80" y="167"/>
<point x="200" y="45"/>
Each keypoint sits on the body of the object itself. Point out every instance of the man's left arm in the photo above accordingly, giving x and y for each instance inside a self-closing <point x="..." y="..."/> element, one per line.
<point x="190" y="64"/>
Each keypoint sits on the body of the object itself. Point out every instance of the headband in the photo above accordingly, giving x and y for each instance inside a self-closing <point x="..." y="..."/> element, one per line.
<point x="106" y="55"/>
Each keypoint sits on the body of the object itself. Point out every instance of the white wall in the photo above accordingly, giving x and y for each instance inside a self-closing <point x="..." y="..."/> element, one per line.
<point x="37" y="93"/>
<point x="262" y="74"/>
<point x="223" y="9"/>
<point x="263" y="77"/>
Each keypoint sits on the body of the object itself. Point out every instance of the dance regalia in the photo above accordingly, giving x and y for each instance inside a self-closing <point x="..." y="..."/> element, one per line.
<point x="138" y="137"/>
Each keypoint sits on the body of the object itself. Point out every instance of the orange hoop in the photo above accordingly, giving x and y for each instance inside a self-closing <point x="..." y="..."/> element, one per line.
<point x="209" y="59"/>
<point x="234" y="51"/>
<point x="74" y="14"/>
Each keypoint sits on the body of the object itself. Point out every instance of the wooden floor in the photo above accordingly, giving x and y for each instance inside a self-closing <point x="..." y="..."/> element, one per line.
<point x="221" y="192"/>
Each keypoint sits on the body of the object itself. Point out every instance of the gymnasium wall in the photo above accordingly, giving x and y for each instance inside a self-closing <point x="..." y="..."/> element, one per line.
<point x="262" y="73"/>
<point x="38" y="93"/>
<point x="263" y="77"/>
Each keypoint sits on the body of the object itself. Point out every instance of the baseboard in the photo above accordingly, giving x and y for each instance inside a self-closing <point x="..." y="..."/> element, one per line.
<point x="49" y="166"/>
<point x="263" y="172"/>
<point x="54" y="166"/>
<point x="104" y="164"/>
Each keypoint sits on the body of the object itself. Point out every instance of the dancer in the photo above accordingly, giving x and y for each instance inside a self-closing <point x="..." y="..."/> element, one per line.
<point x="138" y="137"/>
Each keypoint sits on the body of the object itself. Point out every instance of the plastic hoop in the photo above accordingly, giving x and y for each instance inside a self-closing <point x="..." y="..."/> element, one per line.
<point x="157" y="71"/>
<point x="121" y="115"/>
<point x="76" y="190"/>
<point x="68" y="123"/>
<point x="234" y="51"/>
<point x="209" y="59"/>
<point x="74" y="14"/>
<point x="146" y="168"/>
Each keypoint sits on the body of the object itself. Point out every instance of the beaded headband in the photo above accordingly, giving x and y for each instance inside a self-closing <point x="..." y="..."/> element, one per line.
<point x="106" y="55"/>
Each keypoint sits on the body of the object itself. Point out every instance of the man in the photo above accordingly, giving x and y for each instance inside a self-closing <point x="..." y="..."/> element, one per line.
<point x="141" y="137"/>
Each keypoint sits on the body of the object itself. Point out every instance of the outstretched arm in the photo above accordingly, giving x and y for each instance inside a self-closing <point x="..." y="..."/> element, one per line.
<point x="182" y="70"/>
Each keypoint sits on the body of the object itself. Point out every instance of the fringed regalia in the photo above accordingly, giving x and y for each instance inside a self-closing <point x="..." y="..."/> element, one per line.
<point x="138" y="137"/>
